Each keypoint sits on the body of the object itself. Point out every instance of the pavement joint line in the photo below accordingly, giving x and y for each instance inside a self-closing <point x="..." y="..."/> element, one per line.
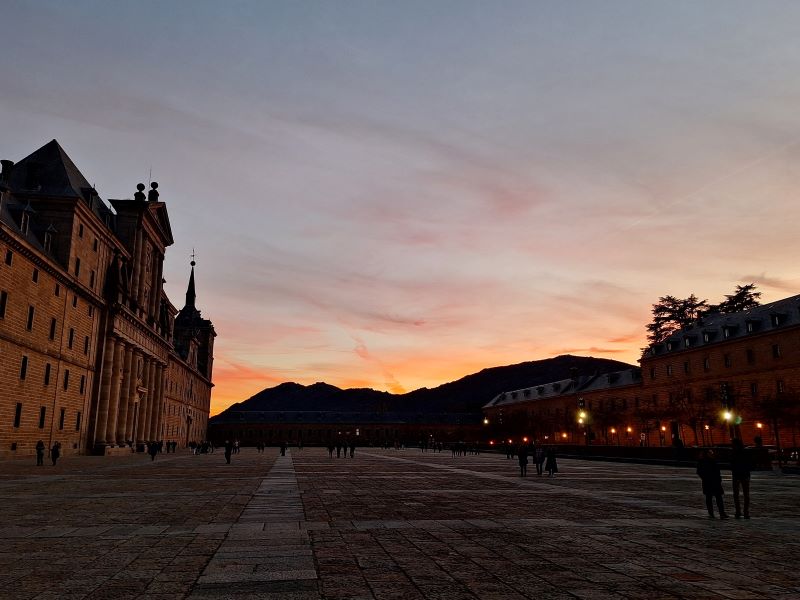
<point x="272" y="519"/>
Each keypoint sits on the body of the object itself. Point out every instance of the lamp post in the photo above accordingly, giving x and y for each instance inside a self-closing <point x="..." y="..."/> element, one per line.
<point x="583" y="419"/>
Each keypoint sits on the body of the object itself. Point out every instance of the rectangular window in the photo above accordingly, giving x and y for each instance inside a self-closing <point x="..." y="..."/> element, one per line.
<point x="751" y="356"/>
<point x="42" y="414"/>
<point x="66" y="379"/>
<point x="669" y="370"/>
<point x="61" y="418"/>
<point x="31" y="313"/>
<point x="35" y="276"/>
<point x="779" y="386"/>
<point x="91" y="279"/>
<point x="78" y="421"/>
<point x="53" y="324"/>
<point x="23" y="368"/>
<point x="47" y="368"/>
<point x="776" y="351"/>
<point x="94" y="246"/>
<point x="83" y="384"/>
<point x="686" y="366"/>
<point x="706" y="364"/>
<point x="75" y="301"/>
<point x="86" y="345"/>
<point x="728" y="362"/>
<point x="58" y="290"/>
<point x="18" y="414"/>
<point x="754" y="389"/>
<point x="9" y="257"/>
<point x="80" y="230"/>
<point x="71" y="338"/>
<point x="91" y="311"/>
<point x="3" y="302"/>
<point x="77" y="266"/>
<point x="652" y="372"/>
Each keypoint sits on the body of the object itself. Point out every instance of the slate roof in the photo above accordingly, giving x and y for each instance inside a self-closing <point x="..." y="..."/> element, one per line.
<point x="566" y="387"/>
<point x="715" y="327"/>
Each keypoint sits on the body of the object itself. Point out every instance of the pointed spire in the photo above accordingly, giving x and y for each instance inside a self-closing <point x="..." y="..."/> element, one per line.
<point x="190" y="295"/>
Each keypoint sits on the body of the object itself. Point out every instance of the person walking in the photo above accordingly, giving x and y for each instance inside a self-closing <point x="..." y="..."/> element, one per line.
<point x="228" y="451"/>
<point x="40" y="453"/>
<point x="55" y="452"/>
<point x="352" y="449"/>
<point x="330" y="450"/>
<point x="152" y="450"/>
<point x="709" y="473"/>
<point x="522" y="456"/>
<point x="740" y="470"/>
<point x="551" y="466"/>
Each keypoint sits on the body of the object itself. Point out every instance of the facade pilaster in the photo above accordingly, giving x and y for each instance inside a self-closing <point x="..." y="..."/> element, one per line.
<point x="113" y="400"/>
<point x="133" y="404"/>
<point x="137" y="266"/>
<point x="124" y="396"/>
<point x="105" y="392"/>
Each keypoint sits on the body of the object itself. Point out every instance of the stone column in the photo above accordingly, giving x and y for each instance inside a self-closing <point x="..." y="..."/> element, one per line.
<point x="147" y="416"/>
<point x="132" y="397"/>
<point x="143" y="309"/>
<point x="155" y="286"/>
<point x="158" y="398"/>
<point x="143" y="412"/>
<point x="137" y="266"/>
<point x="124" y="395"/>
<point x="105" y="392"/>
<point x="113" y="400"/>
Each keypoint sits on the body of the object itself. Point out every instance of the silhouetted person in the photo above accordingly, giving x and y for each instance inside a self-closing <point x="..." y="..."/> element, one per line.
<point x="522" y="456"/>
<point x="152" y="450"/>
<point x="55" y="452"/>
<point x="538" y="456"/>
<point x="352" y="449"/>
<point x="338" y="449"/>
<point x="330" y="450"/>
<point x="228" y="451"/>
<point x="740" y="470"/>
<point x="283" y="448"/>
<point x="551" y="466"/>
<point x="708" y="471"/>
<point x="40" y="453"/>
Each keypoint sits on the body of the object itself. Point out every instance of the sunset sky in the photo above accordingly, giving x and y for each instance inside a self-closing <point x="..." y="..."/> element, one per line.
<point x="397" y="194"/>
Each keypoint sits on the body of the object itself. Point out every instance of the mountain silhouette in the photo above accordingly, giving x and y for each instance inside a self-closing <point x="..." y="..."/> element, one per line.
<point x="466" y="395"/>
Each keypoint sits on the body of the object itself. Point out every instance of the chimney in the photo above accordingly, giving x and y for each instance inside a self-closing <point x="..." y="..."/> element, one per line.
<point x="6" y="172"/>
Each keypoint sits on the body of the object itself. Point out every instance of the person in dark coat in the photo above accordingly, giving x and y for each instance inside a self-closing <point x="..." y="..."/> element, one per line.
<point x="330" y="450"/>
<point x="352" y="449"/>
<point x="551" y="466"/>
<point x="708" y="471"/>
<point x="39" y="453"/>
<point x="538" y="456"/>
<point x="283" y="449"/>
<point x="228" y="451"/>
<point x="55" y="452"/>
<point x="522" y="456"/>
<point x="152" y="450"/>
<point x="740" y="470"/>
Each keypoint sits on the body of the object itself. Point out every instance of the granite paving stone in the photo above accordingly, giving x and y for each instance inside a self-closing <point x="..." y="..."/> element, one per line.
<point x="386" y="524"/>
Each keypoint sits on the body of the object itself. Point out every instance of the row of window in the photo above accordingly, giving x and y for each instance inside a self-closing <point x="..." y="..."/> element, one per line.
<point x="48" y="368"/>
<point x="750" y="357"/>
<point x="30" y="321"/>
<point x="43" y="417"/>
<point x="35" y="274"/>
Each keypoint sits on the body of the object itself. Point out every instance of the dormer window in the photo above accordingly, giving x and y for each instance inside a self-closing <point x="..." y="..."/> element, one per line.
<point x="777" y="320"/>
<point x="513" y="395"/>
<point x="48" y="241"/>
<point x="25" y="223"/>
<point x="706" y="338"/>
<point x="726" y="332"/>
<point x="540" y="390"/>
<point x="687" y="342"/>
<point x="669" y="346"/>
<point x="749" y="327"/>
<point x="526" y="393"/>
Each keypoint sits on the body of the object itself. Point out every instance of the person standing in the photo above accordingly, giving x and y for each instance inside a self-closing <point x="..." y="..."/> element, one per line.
<point x="538" y="456"/>
<point x="740" y="470"/>
<point x="228" y="451"/>
<point x="709" y="473"/>
<point x="40" y="453"/>
<point x="152" y="450"/>
<point x="352" y="449"/>
<point x="522" y="455"/>
<point x="551" y="466"/>
<point x="55" y="452"/>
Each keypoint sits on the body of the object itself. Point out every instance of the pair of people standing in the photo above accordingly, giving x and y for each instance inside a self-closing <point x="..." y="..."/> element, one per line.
<point x="55" y="453"/>
<point x="709" y="472"/>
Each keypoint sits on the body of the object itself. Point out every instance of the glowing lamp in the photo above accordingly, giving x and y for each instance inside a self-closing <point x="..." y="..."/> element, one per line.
<point x="525" y="440"/>
<point x="485" y="421"/>
<point x="759" y="425"/>
<point x="582" y="415"/>
<point x="706" y="427"/>
<point x="613" y="430"/>
<point x="564" y="435"/>
<point x="580" y="421"/>
<point x="663" y="428"/>
<point x="629" y="429"/>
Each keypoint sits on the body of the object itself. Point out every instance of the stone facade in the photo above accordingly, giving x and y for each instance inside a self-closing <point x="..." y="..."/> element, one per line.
<point x="728" y="375"/>
<point x="93" y="353"/>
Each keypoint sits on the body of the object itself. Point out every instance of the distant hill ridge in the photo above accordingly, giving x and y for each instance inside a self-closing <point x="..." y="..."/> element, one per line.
<point x="466" y="395"/>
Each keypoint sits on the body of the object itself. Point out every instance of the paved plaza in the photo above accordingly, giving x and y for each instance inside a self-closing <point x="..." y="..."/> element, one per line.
<point x="384" y="525"/>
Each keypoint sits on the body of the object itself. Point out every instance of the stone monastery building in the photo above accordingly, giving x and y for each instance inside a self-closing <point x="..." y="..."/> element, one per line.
<point x="729" y="375"/>
<point x="92" y="352"/>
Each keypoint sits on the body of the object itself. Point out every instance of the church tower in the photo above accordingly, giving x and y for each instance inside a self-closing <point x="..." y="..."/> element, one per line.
<point x="194" y="335"/>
